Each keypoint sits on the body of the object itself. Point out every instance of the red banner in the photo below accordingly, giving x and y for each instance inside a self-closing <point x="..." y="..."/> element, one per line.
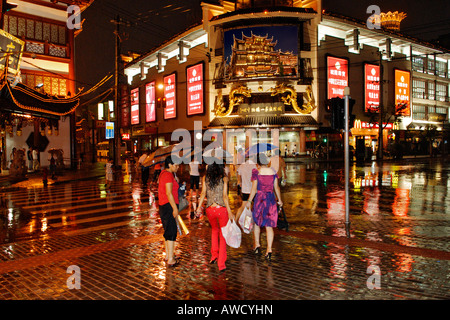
<point x="170" y="94"/>
<point x="194" y="76"/>
<point x="135" y="106"/>
<point x="372" y="88"/>
<point x="337" y="76"/>
<point x="150" y="104"/>
<point x="125" y="105"/>
<point x="402" y="96"/>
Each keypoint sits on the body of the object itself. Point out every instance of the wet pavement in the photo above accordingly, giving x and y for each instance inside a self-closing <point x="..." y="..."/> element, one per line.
<point x="396" y="248"/>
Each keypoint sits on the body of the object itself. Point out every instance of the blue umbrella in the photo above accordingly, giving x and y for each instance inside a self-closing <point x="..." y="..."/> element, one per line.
<point x="261" y="147"/>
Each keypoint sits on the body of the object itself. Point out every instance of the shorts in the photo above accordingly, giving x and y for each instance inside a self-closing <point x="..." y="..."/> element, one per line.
<point x="195" y="181"/>
<point x="168" y="221"/>
<point x="245" y="196"/>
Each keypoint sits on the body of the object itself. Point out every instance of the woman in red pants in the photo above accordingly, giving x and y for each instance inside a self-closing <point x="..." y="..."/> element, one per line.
<point x="215" y="188"/>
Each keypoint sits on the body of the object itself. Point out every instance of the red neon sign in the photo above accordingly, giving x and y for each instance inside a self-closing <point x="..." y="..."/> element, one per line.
<point x="194" y="76"/>
<point x="170" y="94"/>
<point x="135" y="106"/>
<point x="126" y="136"/>
<point x="150" y="106"/>
<point x="372" y="88"/>
<point x="337" y="76"/>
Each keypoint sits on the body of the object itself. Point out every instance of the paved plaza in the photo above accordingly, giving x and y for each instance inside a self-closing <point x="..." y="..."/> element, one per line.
<point x="84" y="242"/>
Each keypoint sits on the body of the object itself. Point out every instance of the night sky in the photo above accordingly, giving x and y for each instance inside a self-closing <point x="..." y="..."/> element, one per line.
<point x="152" y="22"/>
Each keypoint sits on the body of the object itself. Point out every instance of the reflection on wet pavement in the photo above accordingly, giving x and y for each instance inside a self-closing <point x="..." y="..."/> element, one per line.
<point x="114" y="235"/>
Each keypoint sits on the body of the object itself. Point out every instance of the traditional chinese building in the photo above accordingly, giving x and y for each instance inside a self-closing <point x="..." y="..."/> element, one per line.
<point x="276" y="65"/>
<point x="38" y="99"/>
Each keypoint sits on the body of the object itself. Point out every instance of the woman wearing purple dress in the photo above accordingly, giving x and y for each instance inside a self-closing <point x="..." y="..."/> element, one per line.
<point x="265" y="214"/>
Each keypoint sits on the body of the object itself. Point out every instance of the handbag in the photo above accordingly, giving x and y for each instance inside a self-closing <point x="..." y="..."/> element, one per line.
<point x="232" y="234"/>
<point x="183" y="204"/>
<point x="246" y="220"/>
<point x="282" y="222"/>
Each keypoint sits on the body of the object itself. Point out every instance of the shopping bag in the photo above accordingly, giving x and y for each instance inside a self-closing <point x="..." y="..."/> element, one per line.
<point x="232" y="234"/>
<point x="246" y="220"/>
<point x="183" y="204"/>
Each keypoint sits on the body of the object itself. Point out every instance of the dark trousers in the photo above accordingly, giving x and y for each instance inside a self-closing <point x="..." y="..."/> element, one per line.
<point x="168" y="221"/>
<point x="145" y="174"/>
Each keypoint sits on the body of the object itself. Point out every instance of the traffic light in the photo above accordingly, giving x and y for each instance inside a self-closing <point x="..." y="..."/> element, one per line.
<point x="351" y="103"/>
<point x="161" y="102"/>
<point x="328" y="105"/>
<point x="338" y="113"/>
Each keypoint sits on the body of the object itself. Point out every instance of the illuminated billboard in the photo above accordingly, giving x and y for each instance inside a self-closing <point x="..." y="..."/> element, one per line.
<point x="135" y="106"/>
<point x="109" y="130"/>
<point x="402" y="93"/>
<point x="150" y="104"/>
<point x="170" y="110"/>
<point x="194" y="78"/>
<point x="337" y="76"/>
<point x="371" y="88"/>
<point x="261" y="52"/>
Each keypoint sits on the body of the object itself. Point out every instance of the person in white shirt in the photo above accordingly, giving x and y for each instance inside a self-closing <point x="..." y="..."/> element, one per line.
<point x="194" y="175"/>
<point x="244" y="174"/>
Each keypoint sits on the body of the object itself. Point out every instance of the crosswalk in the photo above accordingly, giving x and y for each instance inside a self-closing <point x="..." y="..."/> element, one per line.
<point x="77" y="207"/>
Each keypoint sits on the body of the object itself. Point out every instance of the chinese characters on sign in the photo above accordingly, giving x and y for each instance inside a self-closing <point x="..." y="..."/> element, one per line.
<point x="125" y="105"/>
<point x="337" y="76"/>
<point x="372" y="88"/>
<point x="195" y="89"/>
<point x="169" y="93"/>
<point x="12" y="48"/>
<point x="135" y="106"/>
<point x="150" y="106"/>
<point x="402" y="96"/>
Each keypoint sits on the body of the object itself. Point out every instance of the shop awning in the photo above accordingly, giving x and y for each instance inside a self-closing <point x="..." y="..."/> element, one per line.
<point x="22" y="99"/>
<point x="264" y="121"/>
<point x="423" y="126"/>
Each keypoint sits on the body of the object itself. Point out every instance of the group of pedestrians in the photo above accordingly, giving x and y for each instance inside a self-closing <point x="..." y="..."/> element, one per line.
<point x="260" y="192"/>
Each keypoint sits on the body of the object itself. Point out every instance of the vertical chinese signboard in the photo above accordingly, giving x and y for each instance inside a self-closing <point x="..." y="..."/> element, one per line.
<point x="124" y="106"/>
<point x="170" y="111"/>
<point x="135" y="106"/>
<point x="194" y="76"/>
<point x="402" y="93"/>
<point x="150" y="107"/>
<point x="11" y="52"/>
<point x="337" y="76"/>
<point x="371" y="88"/>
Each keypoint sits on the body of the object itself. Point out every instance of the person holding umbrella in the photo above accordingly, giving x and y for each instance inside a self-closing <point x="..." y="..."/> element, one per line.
<point x="265" y="214"/>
